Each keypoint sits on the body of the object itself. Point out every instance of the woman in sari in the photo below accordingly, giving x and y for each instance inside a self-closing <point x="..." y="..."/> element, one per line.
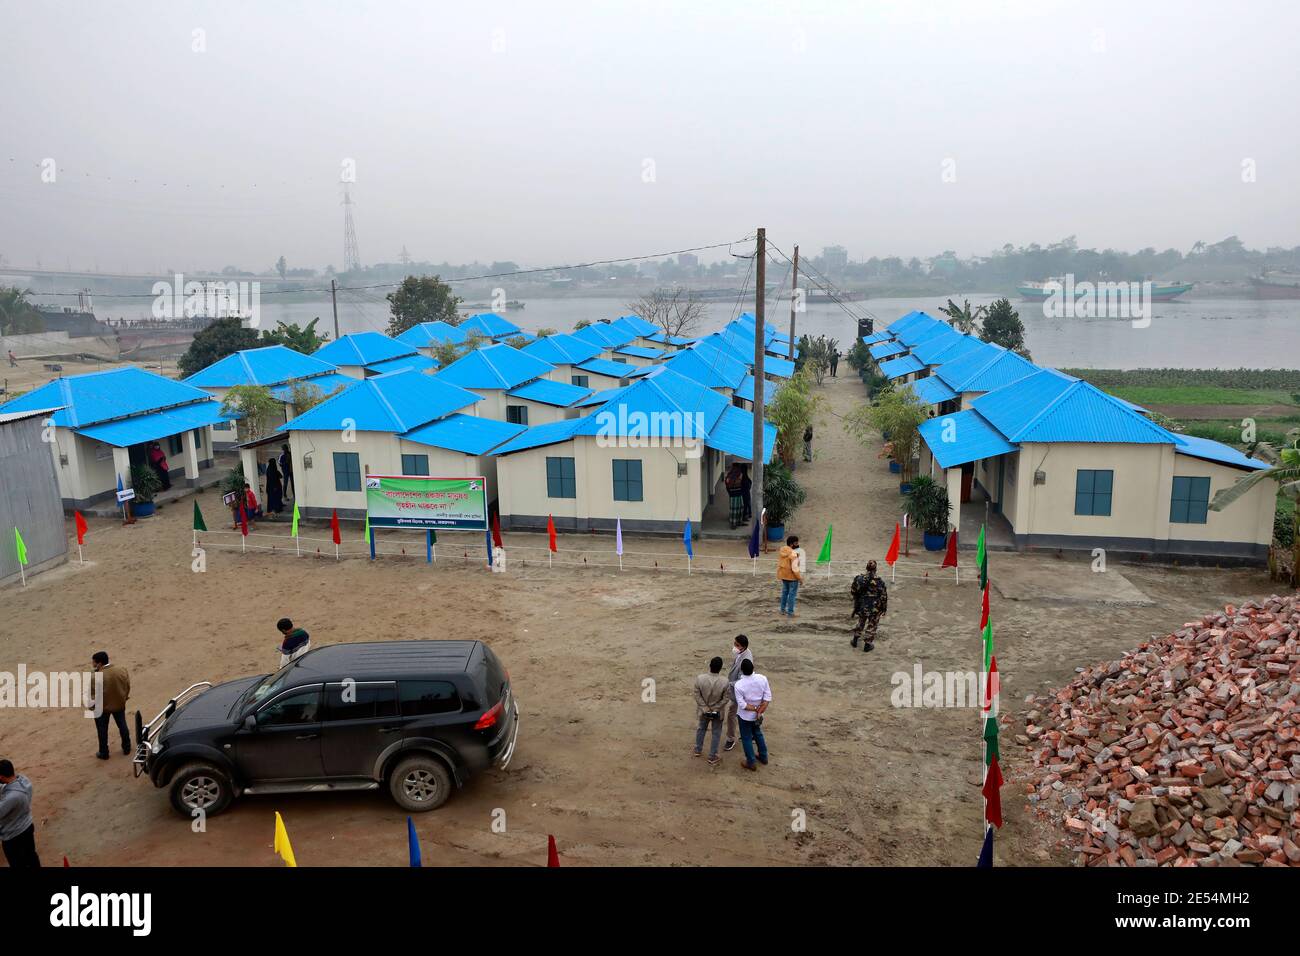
<point x="274" y="489"/>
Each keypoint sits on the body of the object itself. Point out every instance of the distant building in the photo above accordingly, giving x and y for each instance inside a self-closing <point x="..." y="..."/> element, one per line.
<point x="688" y="260"/>
<point x="368" y="353"/>
<point x="834" y="258"/>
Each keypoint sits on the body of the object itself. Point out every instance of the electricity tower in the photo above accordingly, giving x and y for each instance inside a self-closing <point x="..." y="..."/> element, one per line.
<point x="351" y="256"/>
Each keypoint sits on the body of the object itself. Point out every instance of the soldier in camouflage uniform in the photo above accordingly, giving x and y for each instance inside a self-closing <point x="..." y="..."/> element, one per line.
<point x="870" y="601"/>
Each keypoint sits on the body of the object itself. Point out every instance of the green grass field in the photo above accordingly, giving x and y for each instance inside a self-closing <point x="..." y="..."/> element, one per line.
<point x="1203" y="395"/>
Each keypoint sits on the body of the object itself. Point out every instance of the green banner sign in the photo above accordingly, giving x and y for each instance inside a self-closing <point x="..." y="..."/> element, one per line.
<point x="418" y="502"/>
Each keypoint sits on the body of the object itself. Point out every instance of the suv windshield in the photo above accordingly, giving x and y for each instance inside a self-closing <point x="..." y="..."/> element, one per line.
<point x="263" y="689"/>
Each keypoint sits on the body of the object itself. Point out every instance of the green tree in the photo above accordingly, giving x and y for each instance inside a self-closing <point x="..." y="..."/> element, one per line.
<point x="17" y="315"/>
<point x="258" y="409"/>
<point x="544" y="332"/>
<point x="1002" y="326"/>
<point x="305" y="395"/>
<point x="792" y="409"/>
<point x="1285" y="471"/>
<point x="421" y="299"/>
<point x="963" y="318"/>
<point x="214" y="342"/>
<point x="897" y="413"/>
<point x="444" y="353"/>
<point x="581" y="324"/>
<point x="281" y="266"/>
<point x="815" y="354"/>
<point x="304" y="339"/>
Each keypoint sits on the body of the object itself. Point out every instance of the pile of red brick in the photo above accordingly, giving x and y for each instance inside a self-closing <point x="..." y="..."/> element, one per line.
<point x="1184" y="752"/>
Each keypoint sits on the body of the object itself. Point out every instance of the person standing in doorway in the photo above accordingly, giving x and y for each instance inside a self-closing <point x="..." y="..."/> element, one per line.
<point x="753" y="695"/>
<point x="746" y="491"/>
<point x="17" y="832"/>
<point x="735" y="481"/>
<point x="740" y="653"/>
<point x="274" y="489"/>
<point x="790" y="564"/>
<point x="286" y="470"/>
<point x="158" y="461"/>
<point x="711" y="691"/>
<point x="111" y="702"/>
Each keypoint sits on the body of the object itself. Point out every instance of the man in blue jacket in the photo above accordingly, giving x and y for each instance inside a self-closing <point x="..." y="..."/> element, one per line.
<point x="17" y="832"/>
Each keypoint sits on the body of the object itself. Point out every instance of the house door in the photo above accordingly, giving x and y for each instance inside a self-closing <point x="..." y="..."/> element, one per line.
<point x="1002" y="473"/>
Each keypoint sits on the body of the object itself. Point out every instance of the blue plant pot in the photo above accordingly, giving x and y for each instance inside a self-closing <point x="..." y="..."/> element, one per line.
<point x="935" y="542"/>
<point x="895" y="467"/>
<point x="904" y="487"/>
<point x="775" y="532"/>
<point x="142" y="509"/>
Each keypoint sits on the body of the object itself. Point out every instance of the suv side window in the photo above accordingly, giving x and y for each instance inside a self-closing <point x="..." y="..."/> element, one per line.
<point x="295" y="707"/>
<point x="421" y="697"/>
<point x="360" y="701"/>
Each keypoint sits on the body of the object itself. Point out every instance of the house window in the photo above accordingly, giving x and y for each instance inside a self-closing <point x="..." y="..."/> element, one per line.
<point x="221" y="426"/>
<point x="560" y="478"/>
<point x="627" y="479"/>
<point x="347" y="471"/>
<point x="415" y="464"/>
<point x="175" y="445"/>
<point x="1190" y="502"/>
<point x="1092" y="491"/>
<point x="198" y="438"/>
<point x="579" y="380"/>
<point x="517" y="414"/>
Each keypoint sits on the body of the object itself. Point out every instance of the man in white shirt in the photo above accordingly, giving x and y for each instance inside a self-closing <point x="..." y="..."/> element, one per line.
<point x="752" y="698"/>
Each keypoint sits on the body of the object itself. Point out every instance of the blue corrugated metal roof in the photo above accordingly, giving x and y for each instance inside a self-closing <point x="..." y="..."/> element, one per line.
<point x="665" y="339"/>
<point x="959" y="369"/>
<point x="733" y="434"/>
<point x="265" y="366"/>
<point x="394" y="403"/>
<point x="155" y="425"/>
<point x="490" y="324"/>
<point x="640" y="351"/>
<point x="710" y="367"/>
<point x="326" y="383"/>
<point x="953" y="349"/>
<point x="421" y="363"/>
<point x="641" y="370"/>
<point x="637" y="325"/>
<point x="743" y="326"/>
<point x="494" y="366"/>
<point x="1003" y="370"/>
<point x="915" y="327"/>
<point x="427" y="334"/>
<point x="876" y="337"/>
<point x="885" y="349"/>
<point x="523" y="337"/>
<point x="738" y="350"/>
<point x="464" y="433"/>
<point x="606" y="367"/>
<point x="562" y="349"/>
<point x="98" y="396"/>
<point x="361" y="348"/>
<point x="932" y="390"/>
<point x="936" y="343"/>
<point x="660" y="405"/>
<point x="1210" y="450"/>
<point x="781" y="368"/>
<point x="600" y="397"/>
<point x="746" y="389"/>
<point x="963" y="437"/>
<point x="538" y="435"/>
<point x="897" y="368"/>
<point x="547" y="392"/>
<point x="1048" y="406"/>
<point x="605" y="335"/>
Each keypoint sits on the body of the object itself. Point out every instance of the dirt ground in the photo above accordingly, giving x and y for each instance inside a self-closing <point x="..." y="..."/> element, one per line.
<point x="608" y="773"/>
<point x="32" y="373"/>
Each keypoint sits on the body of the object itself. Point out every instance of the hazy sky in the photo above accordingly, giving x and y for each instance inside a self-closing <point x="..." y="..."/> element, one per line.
<point x="191" y="134"/>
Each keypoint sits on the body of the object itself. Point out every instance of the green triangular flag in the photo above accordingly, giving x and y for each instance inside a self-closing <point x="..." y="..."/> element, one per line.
<point x="979" y="547"/>
<point x="433" y="536"/>
<point x="199" y="524"/>
<point x="984" y="572"/>
<point x="294" y="530"/>
<point x="21" y="545"/>
<point x="825" y="556"/>
<point x="991" y="740"/>
<point x="988" y="644"/>
<point x="365" y="532"/>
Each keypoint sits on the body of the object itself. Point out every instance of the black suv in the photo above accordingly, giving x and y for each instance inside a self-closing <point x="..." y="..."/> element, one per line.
<point x="413" y="715"/>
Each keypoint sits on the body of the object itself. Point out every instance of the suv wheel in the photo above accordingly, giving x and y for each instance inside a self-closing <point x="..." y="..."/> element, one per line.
<point x="420" y="783"/>
<point x="200" y="786"/>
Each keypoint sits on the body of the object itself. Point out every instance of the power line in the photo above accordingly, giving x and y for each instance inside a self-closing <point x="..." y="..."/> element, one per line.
<point x="490" y="275"/>
<point x="828" y="288"/>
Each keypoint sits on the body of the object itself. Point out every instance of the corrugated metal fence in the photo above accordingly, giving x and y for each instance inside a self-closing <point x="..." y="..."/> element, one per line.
<point x="29" y="499"/>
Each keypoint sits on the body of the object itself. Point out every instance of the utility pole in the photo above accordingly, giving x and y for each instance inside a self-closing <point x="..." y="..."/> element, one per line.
<point x="760" y="291"/>
<point x="334" y="297"/>
<point x="794" y="299"/>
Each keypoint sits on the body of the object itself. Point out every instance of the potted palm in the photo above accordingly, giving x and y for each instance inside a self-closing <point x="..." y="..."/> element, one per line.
<point x="927" y="509"/>
<point x="781" y="496"/>
<point x="146" y="483"/>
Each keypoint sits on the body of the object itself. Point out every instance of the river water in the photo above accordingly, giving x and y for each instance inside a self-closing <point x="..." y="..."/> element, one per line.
<point x="1205" y="333"/>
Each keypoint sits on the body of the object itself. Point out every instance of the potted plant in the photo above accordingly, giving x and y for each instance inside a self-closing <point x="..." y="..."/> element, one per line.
<point x="146" y="484"/>
<point x="927" y="509"/>
<point x="781" y="496"/>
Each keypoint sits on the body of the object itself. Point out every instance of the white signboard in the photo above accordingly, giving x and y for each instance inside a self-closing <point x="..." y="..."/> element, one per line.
<point x="125" y="494"/>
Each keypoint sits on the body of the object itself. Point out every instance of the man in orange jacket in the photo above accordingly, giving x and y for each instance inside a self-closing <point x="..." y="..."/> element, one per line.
<point x="790" y="565"/>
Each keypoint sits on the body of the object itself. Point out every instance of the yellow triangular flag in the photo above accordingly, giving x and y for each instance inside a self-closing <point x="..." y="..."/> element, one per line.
<point x="282" y="846"/>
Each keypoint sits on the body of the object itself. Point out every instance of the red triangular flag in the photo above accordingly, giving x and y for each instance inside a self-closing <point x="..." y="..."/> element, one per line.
<point x="992" y="794"/>
<point x="496" y="530"/>
<point x="66" y="863"/>
<point x="334" y="526"/>
<point x="81" y="527"/>
<point x="552" y="854"/>
<point x="991" y="688"/>
<point x="243" y="521"/>
<point x="950" y="559"/>
<point x="550" y="532"/>
<point x="984" y="609"/>
<point x="892" y="554"/>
